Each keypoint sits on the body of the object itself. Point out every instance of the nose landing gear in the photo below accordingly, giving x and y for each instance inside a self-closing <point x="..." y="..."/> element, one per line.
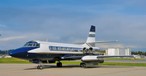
<point x="40" y="67"/>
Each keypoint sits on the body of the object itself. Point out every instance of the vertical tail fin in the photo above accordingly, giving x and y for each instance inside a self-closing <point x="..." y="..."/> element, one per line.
<point x="91" y="37"/>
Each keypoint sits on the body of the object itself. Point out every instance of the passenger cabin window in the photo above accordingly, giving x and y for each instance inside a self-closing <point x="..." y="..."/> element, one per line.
<point x="59" y="48"/>
<point x="32" y="44"/>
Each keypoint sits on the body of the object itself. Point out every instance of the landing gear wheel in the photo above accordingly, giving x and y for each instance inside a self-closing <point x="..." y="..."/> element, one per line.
<point x="40" y="67"/>
<point x="59" y="64"/>
<point x="101" y="61"/>
<point x="83" y="65"/>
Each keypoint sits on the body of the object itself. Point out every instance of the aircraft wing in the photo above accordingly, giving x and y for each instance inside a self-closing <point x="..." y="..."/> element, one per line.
<point x="71" y="57"/>
<point x="106" y="56"/>
<point x="97" y="57"/>
<point x="91" y="56"/>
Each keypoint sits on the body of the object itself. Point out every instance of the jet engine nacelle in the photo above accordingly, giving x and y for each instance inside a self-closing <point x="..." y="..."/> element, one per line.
<point x="92" y="59"/>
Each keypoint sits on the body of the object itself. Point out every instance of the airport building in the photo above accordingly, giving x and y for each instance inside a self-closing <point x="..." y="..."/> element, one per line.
<point x="118" y="51"/>
<point x="115" y="49"/>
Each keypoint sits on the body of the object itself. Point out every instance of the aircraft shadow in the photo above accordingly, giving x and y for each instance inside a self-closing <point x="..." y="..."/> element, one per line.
<point x="76" y="66"/>
<point x="54" y="66"/>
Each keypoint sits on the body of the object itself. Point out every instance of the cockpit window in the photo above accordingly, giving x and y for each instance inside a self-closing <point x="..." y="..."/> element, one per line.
<point x="32" y="44"/>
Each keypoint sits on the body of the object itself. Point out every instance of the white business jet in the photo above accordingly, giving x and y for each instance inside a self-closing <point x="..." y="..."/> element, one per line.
<point x="50" y="52"/>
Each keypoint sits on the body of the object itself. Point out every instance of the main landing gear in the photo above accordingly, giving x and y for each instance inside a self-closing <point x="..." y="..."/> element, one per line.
<point x="40" y="66"/>
<point x="83" y="65"/>
<point x="88" y="64"/>
<point x="59" y="64"/>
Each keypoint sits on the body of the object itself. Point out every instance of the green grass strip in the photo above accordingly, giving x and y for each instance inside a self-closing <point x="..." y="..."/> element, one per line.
<point x="13" y="60"/>
<point x="124" y="64"/>
<point x="20" y="61"/>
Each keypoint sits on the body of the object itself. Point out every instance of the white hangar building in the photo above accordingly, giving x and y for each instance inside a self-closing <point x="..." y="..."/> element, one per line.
<point x="118" y="51"/>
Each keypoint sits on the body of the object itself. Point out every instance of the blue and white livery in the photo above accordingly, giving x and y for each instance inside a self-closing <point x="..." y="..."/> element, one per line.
<point x="50" y="52"/>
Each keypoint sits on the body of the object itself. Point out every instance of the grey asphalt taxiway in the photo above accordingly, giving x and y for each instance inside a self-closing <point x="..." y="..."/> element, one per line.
<point x="69" y="70"/>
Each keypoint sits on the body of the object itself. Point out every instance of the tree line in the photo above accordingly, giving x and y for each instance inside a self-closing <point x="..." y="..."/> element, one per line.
<point x="138" y="53"/>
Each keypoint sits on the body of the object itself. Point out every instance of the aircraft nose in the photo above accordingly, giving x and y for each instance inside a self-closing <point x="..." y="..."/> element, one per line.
<point x="13" y="53"/>
<point x="20" y="52"/>
<point x="10" y="53"/>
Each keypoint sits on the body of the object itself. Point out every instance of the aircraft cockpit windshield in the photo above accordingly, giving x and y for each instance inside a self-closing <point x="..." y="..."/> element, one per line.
<point x="32" y="44"/>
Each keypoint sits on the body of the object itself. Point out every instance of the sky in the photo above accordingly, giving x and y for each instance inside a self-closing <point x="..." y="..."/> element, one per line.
<point x="69" y="21"/>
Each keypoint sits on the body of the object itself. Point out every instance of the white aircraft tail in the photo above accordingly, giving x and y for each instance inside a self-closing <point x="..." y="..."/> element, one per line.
<point x="91" y="37"/>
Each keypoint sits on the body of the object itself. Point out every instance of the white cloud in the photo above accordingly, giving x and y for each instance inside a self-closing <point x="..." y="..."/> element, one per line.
<point x="12" y="38"/>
